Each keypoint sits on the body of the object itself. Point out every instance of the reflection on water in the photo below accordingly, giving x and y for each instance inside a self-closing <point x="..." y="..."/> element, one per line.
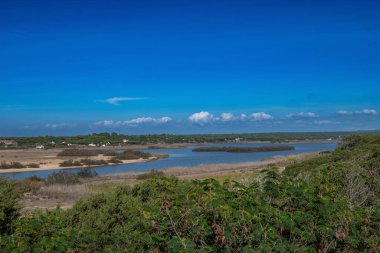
<point x="185" y="157"/>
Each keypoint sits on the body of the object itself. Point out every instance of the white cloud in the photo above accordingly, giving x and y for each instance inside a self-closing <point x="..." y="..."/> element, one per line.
<point x="201" y="117"/>
<point x="362" y="112"/>
<point x="344" y="112"/>
<point x="144" y="120"/>
<point x="226" y="116"/>
<point x="243" y="116"/>
<point x="133" y="122"/>
<point x="117" y="100"/>
<point x="261" y="116"/>
<point x="302" y="115"/>
<point x="369" y="112"/>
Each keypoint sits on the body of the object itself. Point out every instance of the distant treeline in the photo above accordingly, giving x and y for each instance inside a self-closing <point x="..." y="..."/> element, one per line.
<point x="243" y="149"/>
<point x="122" y="139"/>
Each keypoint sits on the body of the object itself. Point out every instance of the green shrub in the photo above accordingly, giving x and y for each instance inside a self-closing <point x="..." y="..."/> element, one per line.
<point x="70" y="163"/>
<point x="89" y="162"/>
<point x="63" y="177"/>
<point x="32" y="165"/>
<point x="133" y="155"/>
<point x="115" y="160"/>
<point x="35" y="178"/>
<point x="31" y="184"/>
<point x="86" y="173"/>
<point x="150" y="174"/>
<point x="11" y="165"/>
<point x="9" y="208"/>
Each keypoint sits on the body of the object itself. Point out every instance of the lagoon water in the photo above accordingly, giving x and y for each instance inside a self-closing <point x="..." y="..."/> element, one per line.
<point x="186" y="158"/>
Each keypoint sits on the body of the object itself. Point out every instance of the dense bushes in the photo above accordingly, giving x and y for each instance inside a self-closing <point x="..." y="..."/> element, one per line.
<point x="11" y="165"/>
<point x="62" y="177"/>
<point x="89" y="162"/>
<point x="86" y="173"/>
<point x="17" y="165"/>
<point x="133" y="155"/>
<point x="167" y="215"/>
<point x="32" y="165"/>
<point x="66" y="177"/>
<point x="115" y="160"/>
<point x="150" y="174"/>
<point x="70" y="163"/>
<point x="9" y="209"/>
<point x="326" y="204"/>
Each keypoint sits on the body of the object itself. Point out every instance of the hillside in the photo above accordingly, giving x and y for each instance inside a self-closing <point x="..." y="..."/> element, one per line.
<point x="329" y="203"/>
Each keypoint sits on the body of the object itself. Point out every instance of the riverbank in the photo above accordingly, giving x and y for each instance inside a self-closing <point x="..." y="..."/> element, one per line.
<point x="49" y="196"/>
<point x="55" y="166"/>
<point x="49" y="160"/>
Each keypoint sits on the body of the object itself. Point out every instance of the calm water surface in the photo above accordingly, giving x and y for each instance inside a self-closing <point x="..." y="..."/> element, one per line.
<point x="185" y="157"/>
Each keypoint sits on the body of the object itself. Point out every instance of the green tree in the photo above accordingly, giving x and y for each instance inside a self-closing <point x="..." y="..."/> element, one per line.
<point x="9" y="209"/>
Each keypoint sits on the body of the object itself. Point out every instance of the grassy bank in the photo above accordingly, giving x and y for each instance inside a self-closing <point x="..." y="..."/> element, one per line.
<point x="327" y="203"/>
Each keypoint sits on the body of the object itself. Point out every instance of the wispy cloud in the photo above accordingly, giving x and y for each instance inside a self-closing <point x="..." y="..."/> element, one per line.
<point x="117" y="100"/>
<point x="134" y="122"/>
<point x="59" y="125"/>
<point x="360" y="112"/>
<point x="302" y="115"/>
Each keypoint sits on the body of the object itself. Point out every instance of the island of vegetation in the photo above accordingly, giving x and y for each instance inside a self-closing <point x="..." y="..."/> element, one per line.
<point x="243" y="149"/>
<point x="327" y="203"/>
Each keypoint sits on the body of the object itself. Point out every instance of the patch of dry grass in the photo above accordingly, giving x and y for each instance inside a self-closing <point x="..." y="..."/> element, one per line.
<point x="61" y="191"/>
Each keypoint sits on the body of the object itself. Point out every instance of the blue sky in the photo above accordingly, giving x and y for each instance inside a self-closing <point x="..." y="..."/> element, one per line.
<point x="135" y="67"/>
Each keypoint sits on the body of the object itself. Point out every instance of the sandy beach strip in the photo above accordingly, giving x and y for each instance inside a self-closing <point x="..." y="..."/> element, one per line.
<point x="55" y="166"/>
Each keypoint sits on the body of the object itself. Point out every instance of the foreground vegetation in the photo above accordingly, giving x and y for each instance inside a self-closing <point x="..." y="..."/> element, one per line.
<point x="115" y="139"/>
<point x="243" y="149"/>
<point x="329" y="203"/>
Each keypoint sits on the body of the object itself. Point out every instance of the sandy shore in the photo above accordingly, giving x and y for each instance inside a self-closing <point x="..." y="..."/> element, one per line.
<point x="53" y="166"/>
<point x="48" y="159"/>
